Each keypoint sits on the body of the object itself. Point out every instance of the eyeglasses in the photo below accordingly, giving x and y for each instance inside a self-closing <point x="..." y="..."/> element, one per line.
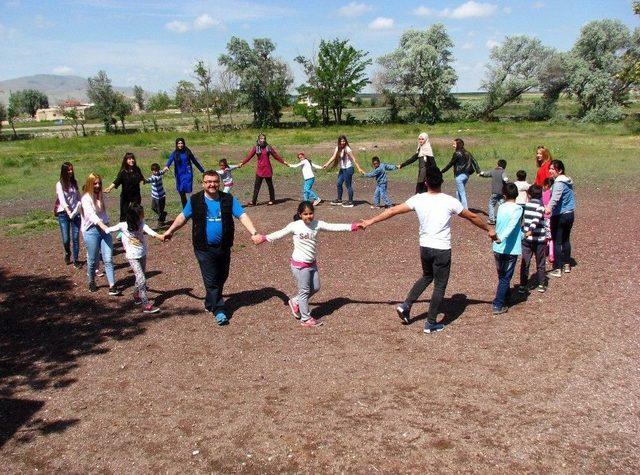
<point x="211" y="182"/>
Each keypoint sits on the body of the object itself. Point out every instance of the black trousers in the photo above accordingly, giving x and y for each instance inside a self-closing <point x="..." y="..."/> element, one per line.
<point x="157" y="205"/>
<point x="561" y="225"/>
<point x="436" y="266"/>
<point x="214" y="266"/>
<point x="258" y="184"/>
<point x="529" y="249"/>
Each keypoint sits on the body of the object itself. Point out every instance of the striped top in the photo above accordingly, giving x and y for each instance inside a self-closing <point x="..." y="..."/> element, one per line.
<point x="157" y="190"/>
<point x="534" y="221"/>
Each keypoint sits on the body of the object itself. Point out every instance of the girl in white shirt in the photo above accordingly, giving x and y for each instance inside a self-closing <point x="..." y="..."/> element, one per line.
<point x="225" y="174"/>
<point x="309" y="178"/>
<point x="135" y="245"/>
<point x="343" y="156"/>
<point x="303" y="260"/>
<point x="67" y="210"/>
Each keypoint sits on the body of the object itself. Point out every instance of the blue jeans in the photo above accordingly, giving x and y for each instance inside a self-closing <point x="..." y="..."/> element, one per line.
<point x="381" y="195"/>
<point x="345" y="175"/>
<point x="307" y="193"/>
<point x="461" y="182"/>
<point x="494" y="199"/>
<point x="505" y="265"/>
<point x="98" y="242"/>
<point x="70" y="232"/>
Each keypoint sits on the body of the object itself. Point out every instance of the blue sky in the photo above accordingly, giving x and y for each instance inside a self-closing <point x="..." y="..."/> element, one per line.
<point x="155" y="43"/>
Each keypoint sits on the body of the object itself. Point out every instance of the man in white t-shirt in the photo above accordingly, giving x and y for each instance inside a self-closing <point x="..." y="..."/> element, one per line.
<point x="434" y="210"/>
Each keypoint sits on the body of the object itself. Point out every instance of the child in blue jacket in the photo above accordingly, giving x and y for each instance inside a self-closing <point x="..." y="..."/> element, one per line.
<point x="380" y="174"/>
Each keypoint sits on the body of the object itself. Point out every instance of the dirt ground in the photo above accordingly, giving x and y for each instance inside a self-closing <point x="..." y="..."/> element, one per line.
<point x="89" y="384"/>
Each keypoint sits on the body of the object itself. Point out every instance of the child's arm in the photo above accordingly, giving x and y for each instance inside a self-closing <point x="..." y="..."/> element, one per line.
<point x="151" y="232"/>
<point x="317" y="167"/>
<point x="324" y="226"/>
<point x="233" y="167"/>
<point x="260" y="238"/>
<point x="296" y="165"/>
<point x="389" y="166"/>
<point x="114" y="228"/>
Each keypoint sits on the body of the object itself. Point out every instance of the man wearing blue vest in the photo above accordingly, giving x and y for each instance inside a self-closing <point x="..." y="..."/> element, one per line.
<point x="212" y="213"/>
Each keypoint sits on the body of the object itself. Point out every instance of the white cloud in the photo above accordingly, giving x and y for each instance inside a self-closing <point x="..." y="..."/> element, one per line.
<point x="470" y="9"/>
<point x="492" y="44"/>
<point x="423" y="11"/>
<point x="538" y="5"/>
<point x="467" y="45"/>
<point x="355" y="9"/>
<point x="64" y="70"/>
<point x="381" y="23"/>
<point x="177" y="26"/>
<point x="204" y="22"/>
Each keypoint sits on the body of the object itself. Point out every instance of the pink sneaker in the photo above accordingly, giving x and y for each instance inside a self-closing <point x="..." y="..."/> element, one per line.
<point x="295" y="309"/>
<point x="150" y="309"/>
<point x="310" y="322"/>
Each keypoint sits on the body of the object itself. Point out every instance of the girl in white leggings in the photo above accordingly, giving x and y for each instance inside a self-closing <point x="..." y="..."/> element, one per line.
<point x="303" y="260"/>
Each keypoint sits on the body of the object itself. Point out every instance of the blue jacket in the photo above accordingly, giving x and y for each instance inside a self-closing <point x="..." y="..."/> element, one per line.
<point x="380" y="173"/>
<point x="508" y="229"/>
<point x="184" y="162"/>
<point x="562" y="198"/>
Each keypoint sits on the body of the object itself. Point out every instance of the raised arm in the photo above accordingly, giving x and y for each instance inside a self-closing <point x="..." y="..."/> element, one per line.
<point x="353" y="157"/>
<point x="409" y="160"/>
<point x="450" y="164"/>
<point x="177" y="224"/>
<point x="288" y="229"/>
<point x="324" y="226"/>
<point x="389" y="213"/>
<point x="477" y="221"/>
<point x="197" y="163"/>
<point x="249" y="156"/>
<point x="170" y="161"/>
<point x="333" y="158"/>
<point x="276" y="155"/>
<point x="248" y="224"/>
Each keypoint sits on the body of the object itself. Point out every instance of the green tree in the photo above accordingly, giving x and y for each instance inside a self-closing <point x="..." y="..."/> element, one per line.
<point x="204" y="77"/>
<point x="13" y="112"/>
<point x="186" y="96"/>
<point x="3" y="115"/>
<point x="334" y="77"/>
<point x="420" y="72"/>
<point x="138" y="94"/>
<point x="159" y="101"/>
<point x="31" y="100"/>
<point x="514" y="69"/>
<point x="75" y="116"/>
<point x="263" y="80"/>
<point x="123" y="107"/>
<point x="101" y="93"/>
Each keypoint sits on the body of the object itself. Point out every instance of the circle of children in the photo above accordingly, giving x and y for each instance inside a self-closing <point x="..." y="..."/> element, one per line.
<point x="531" y="220"/>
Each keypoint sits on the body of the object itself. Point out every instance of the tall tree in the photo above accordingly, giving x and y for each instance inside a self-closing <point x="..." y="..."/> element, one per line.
<point x="514" y="68"/>
<point x="420" y="72"/>
<point x="122" y="108"/>
<point x="159" y="101"/>
<point x="335" y="76"/>
<point x="138" y="94"/>
<point x="31" y="100"/>
<point x="101" y="93"/>
<point x="204" y="77"/>
<point x="263" y="80"/>
<point x="186" y="96"/>
<point x="75" y="116"/>
<point x="13" y="112"/>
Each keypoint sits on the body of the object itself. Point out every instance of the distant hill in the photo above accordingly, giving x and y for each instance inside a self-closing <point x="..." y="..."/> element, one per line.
<point x="57" y="88"/>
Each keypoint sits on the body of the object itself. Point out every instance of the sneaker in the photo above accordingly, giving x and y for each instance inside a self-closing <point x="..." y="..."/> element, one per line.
<point x="295" y="309"/>
<point x="433" y="327"/>
<point x="403" y="313"/>
<point x="270" y="203"/>
<point x="150" y="309"/>
<point x="99" y="273"/>
<point x="556" y="273"/>
<point x="93" y="287"/>
<point x="491" y="222"/>
<point x="522" y="289"/>
<point x="317" y="201"/>
<point x="498" y="311"/>
<point x="136" y="298"/>
<point x="541" y="288"/>
<point x="336" y="202"/>
<point x="310" y="322"/>
<point x="67" y="259"/>
<point x="347" y="204"/>
<point x="374" y="207"/>
<point x="221" y="318"/>
<point x="566" y="268"/>
<point x="113" y="291"/>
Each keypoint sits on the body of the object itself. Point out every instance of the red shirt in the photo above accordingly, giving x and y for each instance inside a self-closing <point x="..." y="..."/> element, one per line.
<point x="543" y="173"/>
<point x="264" y="169"/>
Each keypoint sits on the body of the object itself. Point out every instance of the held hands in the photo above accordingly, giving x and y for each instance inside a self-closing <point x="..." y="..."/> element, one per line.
<point x="258" y="239"/>
<point x="493" y="236"/>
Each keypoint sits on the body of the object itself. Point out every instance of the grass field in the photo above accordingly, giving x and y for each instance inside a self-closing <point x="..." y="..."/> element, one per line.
<point x="600" y="155"/>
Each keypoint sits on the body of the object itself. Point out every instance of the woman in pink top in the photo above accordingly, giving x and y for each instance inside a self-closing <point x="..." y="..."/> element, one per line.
<point x="67" y="210"/>
<point x="263" y="150"/>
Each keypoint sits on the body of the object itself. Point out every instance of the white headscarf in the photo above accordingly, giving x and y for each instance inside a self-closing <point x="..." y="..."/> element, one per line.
<point x="424" y="150"/>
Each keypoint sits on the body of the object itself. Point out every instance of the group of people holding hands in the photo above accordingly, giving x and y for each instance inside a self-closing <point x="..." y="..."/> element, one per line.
<point x="520" y="227"/>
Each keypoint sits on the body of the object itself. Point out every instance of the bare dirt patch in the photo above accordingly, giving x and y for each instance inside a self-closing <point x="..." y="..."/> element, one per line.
<point x="90" y="384"/>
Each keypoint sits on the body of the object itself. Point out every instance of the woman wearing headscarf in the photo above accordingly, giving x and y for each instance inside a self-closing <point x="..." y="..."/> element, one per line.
<point x="424" y="156"/>
<point x="183" y="160"/>
<point x="262" y="150"/>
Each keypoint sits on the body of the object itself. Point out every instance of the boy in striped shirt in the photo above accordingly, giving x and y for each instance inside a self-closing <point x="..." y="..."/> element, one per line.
<point x="534" y="240"/>
<point x="158" y="195"/>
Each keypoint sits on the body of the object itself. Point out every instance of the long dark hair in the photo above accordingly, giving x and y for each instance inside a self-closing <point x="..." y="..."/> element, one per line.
<point x="301" y="207"/>
<point x="459" y="145"/>
<point x="66" y="180"/>
<point x="346" y="142"/>
<point x="133" y="217"/>
<point x="177" y="151"/>
<point x="461" y="150"/>
<point x="125" y="166"/>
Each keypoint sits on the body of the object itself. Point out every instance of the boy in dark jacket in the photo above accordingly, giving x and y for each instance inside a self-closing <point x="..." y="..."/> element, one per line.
<point x="498" y="179"/>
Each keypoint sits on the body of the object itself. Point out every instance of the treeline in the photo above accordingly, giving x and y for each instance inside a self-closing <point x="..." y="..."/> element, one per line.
<point x="415" y="80"/>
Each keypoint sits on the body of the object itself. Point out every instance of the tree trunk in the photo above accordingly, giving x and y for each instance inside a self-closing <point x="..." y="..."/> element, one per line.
<point x="15" y="134"/>
<point x="124" y="131"/>
<point x="84" y="132"/>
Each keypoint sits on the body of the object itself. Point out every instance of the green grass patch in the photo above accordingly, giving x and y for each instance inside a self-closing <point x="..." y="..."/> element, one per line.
<point x="34" y="221"/>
